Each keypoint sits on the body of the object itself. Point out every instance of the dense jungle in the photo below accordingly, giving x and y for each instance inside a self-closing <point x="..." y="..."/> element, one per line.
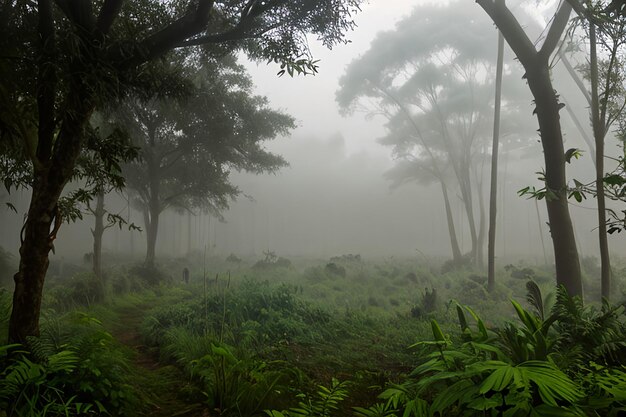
<point x="312" y="208"/>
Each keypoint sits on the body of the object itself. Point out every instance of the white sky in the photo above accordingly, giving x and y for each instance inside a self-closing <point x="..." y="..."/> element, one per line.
<point x="311" y="99"/>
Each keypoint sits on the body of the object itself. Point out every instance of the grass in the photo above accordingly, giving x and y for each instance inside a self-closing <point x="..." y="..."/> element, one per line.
<point x="271" y="334"/>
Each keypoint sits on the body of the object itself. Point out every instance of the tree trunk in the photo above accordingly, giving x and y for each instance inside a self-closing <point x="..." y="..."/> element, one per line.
<point x="98" y="232"/>
<point x="54" y="168"/>
<point x="151" y="219"/>
<point x="152" y="209"/>
<point x="480" y="239"/>
<point x="599" y="133"/>
<point x="536" y="64"/>
<point x="466" y="195"/>
<point x="457" y="257"/>
<point x="493" y="192"/>
<point x="37" y="242"/>
<point x="561" y="228"/>
<point x="189" y="234"/>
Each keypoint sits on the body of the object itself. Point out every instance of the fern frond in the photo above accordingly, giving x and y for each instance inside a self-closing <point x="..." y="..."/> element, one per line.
<point x="534" y="298"/>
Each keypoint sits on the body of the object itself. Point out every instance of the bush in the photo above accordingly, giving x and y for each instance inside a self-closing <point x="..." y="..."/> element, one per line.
<point x="530" y="367"/>
<point x="82" y="289"/>
<point x="152" y="276"/>
<point x="335" y="270"/>
<point x="74" y="372"/>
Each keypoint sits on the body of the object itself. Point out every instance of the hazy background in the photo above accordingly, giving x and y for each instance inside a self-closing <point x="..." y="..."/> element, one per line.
<point x="333" y="199"/>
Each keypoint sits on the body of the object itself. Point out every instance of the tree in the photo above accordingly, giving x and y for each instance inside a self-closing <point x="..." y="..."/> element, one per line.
<point x="428" y="79"/>
<point x="537" y="66"/>
<point x="606" y="98"/>
<point x="103" y="176"/>
<point x="62" y="60"/>
<point x="491" y="244"/>
<point x="188" y="146"/>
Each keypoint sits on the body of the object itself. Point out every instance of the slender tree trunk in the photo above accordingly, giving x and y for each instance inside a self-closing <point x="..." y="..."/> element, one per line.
<point x="493" y="192"/>
<point x="98" y="232"/>
<point x="152" y="213"/>
<point x="457" y="257"/>
<point x="480" y="239"/>
<point x="540" y="228"/>
<point x="151" y="217"/>
<point x="599" y="133"/>
<point x="466" y="195"/>
<point x="536" y="64"/>
<point x="189" y="234"/>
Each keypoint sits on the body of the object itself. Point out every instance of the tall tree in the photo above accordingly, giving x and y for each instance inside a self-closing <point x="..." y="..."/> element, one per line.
<point x="493" y="193"/>
<point x="104" y="139"/>
<point x="428" y="78"/>
<point x="536" y="63"/>
<point x="606" y="96"/>
<point x="63" y="59"/>
<point x="189" y="145"/>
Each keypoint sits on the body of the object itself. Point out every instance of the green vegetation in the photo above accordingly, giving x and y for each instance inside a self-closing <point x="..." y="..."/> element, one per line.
<point x="290" y="339"/>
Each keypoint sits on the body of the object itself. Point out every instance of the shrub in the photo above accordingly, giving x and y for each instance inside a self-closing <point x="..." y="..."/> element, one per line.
<point x="82" y="289"/>
<point x="335" y="270"/>
<point x="72" y="372"/>
<point x="523" y="369"/>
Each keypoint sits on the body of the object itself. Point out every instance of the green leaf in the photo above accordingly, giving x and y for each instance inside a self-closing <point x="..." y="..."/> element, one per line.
<point x="437" y="333"/>
<point x="498" y="380"/>
<point x="486" y="403"/>
<point x="552" y="384"/>
<point x="462" y="392"/>
<point x="614" y="179"/>
<point x="462" y="318"/>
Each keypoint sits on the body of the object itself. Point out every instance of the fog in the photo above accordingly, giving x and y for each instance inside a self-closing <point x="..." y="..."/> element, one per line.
<point x="333" y="197"/>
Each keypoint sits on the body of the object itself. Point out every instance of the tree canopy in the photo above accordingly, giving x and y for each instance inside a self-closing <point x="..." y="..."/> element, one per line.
<point x="189" y="145"/>
<point x="434" y="83"/>
<point x="62" y="60"/>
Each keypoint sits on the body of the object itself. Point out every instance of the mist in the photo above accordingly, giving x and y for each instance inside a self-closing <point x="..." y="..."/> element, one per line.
<point x="333" y="197"/>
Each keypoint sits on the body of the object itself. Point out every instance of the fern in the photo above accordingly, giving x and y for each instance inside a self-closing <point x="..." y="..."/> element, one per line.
<point x="324" y="404"/>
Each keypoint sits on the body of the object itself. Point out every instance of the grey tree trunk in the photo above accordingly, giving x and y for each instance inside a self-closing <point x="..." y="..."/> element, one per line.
<point x="599" y="132"/>
<point x="493" y="192"/>
<point x="536" y="64"/>
<point x="457" y="257"/>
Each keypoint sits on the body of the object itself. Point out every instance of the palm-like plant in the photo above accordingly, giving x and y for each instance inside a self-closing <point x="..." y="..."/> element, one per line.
<point x="526" y="368"/>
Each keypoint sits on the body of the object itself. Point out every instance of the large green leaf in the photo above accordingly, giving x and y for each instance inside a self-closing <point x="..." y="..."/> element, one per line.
<point x="462" y="392"/>
<point x="498" y="380"/>
<point x="552" y="384"/>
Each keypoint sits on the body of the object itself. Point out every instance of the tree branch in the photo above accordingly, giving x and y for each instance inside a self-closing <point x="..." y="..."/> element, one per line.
<point x="169" y="37"/>
<point x="553" y="37"/>
<point x="512" y="31"/>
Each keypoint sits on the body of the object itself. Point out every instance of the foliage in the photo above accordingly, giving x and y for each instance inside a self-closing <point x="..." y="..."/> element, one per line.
<point x="325" y="403"/>
<point x="522" y="369"/>
<point x="7" y="267"/>
<point x="429" y="302"/>
<point x="271" y="260"/>
<point x="243" y="387"/>
<point x="251" y="314"/>
<point x="73" y="369"/>
<point x="189" y="145"/>
<point x="5" y="312"/>
<point x="82" y="289"/>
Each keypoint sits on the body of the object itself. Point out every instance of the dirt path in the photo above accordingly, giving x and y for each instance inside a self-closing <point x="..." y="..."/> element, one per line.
<point x="160" y="384"/>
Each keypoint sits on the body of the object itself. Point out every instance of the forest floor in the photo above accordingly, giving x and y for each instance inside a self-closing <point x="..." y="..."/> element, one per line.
<point x="160" y="384"/>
